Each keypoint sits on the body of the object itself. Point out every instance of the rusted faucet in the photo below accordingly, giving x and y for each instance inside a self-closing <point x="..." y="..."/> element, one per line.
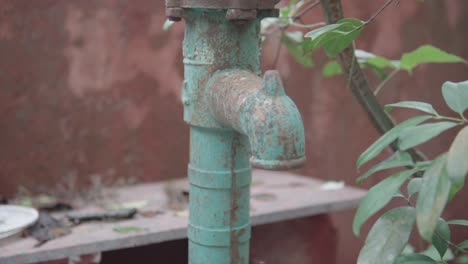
<point x="236" y="118"/>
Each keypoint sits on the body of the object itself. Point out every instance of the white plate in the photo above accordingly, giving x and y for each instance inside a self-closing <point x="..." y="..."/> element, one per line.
<point x="13" y="219"/>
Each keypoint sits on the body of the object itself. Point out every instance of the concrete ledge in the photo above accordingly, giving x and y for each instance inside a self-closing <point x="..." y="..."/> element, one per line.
<point x="276" y="196"/>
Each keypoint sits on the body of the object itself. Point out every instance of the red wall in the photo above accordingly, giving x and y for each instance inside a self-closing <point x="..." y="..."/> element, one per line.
<point x="90" y="90"/>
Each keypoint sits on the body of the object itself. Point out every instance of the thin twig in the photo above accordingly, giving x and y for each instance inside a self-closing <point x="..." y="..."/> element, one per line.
<point x="450" y="243"/>
<point x="378" y="12"/>
<point x="384" y="82"/>
<point x="359" y="85"/>
<point x="305" y="10"/>
<point x="309" y="26"/>
<point x="296" y="17"/>
<point x="278" y="50"/>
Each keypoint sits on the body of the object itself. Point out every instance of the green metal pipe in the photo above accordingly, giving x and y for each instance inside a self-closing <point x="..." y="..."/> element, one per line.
<point x="260" y="110"/>
<point x="220" y="177"/>
<point x="233" y="115"/>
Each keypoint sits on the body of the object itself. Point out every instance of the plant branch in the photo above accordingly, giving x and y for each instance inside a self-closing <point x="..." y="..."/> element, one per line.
<point x="308" y="26"/>
<point x="278" y="50"/>
<point x="358" y="84"/>
<point x="451" y="243"/>
<point x="305" y="10"/>
<point x="378" y="12"/>
<point x="456" y="120"/>
<point x="384" y="82"/>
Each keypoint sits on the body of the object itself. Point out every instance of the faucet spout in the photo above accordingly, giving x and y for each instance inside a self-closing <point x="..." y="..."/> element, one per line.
<point x="261" y="110"/>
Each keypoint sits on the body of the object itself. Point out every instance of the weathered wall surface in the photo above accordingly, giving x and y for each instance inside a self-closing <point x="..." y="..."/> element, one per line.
<point x="90" y="90"/>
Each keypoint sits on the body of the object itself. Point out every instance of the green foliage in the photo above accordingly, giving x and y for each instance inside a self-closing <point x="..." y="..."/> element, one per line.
<point x="334" y="38"/>
<point x="332" y="68"/>
<point x="293" y="42"/>
<point x="458" y="222"/>
<point x="441" y="237"/>
<point x="388" y="138"/>
<point x="379" y="196"/>
<point x="432" y="252"/>
<point x="414" y="186"/>
<point x="430" y="184"/>
<point x="432" y="198"/>
<point x="388" y="236"/>
<point x="463" y="245"/>
<point x="442" y="177"/>
<point x="427" y="54"/>
<point x="457" y="166"/>
<point x="413" y="136"/>
<point x="415" y="258"/>
<point x="399" y="159"/>
<point x="462" y="259"/>
<point x="424" y="54"/>
<point x="456" y="96"/>
<point x="421" y="106"/>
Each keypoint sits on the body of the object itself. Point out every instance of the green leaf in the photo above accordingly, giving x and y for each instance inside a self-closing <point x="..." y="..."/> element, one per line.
<point x="127" y="229"/>
<point x="409" y="249"/>
<point x="399" y="194"/>
<point x="388" y="236"/>
<point x="387" y="138"/>
<point x="415" y="259"/>
<point x="380" y="73"/>
<point x="379" y="196"/>
<point x="457" y="159"/>
<point x="456" y="95"/>
<point x="432" y="198"/>
<point x="332" y="68"/>
<point x="461" y="222"/>
<point x="382" y="63"/>
<point x="441" y="236"/>
<point x="421" y="106"/>
<point x="378" y="65"/>
<point x="463" y="245"/>
<point x="453" y="191"/>
<point x="375" y="62"/>
<point x="413" y="136"/>
<point x="427" y="54"/>
<point x="432" y="252"/>
<point x="414" y="186"/>
<point x="398" y="159"/>
<point x="334" y="38"/>
<point x="462" y="259"/>
<point x="296" y="49"/>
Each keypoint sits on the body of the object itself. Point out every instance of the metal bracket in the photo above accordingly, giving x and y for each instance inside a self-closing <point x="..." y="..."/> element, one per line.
<point x="222" y="4"/>
<point x="237" y="10"/>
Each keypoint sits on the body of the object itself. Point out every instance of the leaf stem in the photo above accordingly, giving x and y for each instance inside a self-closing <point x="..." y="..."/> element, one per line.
<point x="451" y="243"/>
<point x="384" y="82"/>
<point x="457" y="120"/>
<point x="378" y="12"/>
<point x="278" y="50"/>
<point x="305" y="10"/>
<point x="309" y="26"/>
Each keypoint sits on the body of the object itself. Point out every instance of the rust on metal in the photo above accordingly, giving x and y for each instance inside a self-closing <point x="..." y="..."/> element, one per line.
<point x="234" y="237"/>
<point x="223" y="4"/>
<point x="260" y="110"/>
<point x="241" y="14"/>
<point x="175" y="13"/>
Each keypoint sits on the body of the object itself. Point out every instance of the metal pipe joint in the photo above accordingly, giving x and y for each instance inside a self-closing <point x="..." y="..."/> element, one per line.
<point x="260" y="110"/>
<point x="237" y="10"/>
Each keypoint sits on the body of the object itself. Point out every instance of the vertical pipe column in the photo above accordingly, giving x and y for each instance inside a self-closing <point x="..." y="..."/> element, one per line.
<point x="219" y="169"/>
<point x="220" y="176"/>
